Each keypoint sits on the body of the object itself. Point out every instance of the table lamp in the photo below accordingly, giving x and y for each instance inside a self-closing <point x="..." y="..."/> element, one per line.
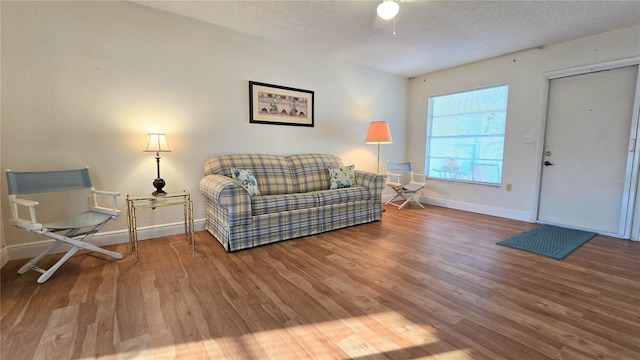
<point x="157" y="143"/>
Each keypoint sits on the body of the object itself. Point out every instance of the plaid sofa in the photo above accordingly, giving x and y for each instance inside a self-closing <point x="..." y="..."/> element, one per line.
<point x="295" y="201"/>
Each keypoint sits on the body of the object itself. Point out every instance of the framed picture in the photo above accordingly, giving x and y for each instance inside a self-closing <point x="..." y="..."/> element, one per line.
<point x="280" y="105"/>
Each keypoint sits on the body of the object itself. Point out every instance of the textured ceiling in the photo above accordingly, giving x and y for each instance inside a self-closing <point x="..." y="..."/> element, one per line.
<point x="430" y="35"/>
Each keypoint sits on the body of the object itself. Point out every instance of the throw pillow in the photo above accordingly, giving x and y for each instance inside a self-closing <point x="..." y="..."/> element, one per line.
<point x="342" y="177"/>
<point x="247" y="180"/>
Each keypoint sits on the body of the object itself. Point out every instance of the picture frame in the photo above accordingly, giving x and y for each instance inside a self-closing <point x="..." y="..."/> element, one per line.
<point x="280" y="105"/>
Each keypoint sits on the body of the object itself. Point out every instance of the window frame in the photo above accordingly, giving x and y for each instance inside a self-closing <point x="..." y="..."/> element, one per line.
<point x="451" y="173"/>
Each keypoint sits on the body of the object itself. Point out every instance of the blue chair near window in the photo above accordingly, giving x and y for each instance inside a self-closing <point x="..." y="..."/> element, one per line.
<point x="407" y="192"/>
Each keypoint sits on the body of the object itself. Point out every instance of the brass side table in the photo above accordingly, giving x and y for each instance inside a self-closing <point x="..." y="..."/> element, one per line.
<point x="150" y="201"/>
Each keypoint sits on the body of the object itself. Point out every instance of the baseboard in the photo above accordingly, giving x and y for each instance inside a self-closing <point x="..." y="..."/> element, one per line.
<point x="32" y="249"/>
<point x="4" y="256"/>
<point x="477" y="208"/>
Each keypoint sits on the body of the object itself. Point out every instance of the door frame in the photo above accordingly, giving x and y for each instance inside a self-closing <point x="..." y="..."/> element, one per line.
<point x="633" y="159"/>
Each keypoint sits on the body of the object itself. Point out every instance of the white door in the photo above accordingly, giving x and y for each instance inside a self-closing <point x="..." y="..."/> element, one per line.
<point x="587" y="157"/>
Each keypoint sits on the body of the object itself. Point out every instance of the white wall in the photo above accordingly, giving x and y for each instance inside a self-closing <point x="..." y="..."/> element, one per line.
<point x="525" y="74"/>
<point x="85" y="81"/>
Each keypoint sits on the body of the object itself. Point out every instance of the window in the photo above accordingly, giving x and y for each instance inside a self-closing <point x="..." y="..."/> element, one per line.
<point x="465" y="135"/>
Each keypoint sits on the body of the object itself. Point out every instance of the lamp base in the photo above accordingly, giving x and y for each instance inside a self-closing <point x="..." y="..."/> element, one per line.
<point x="159" y="184"/>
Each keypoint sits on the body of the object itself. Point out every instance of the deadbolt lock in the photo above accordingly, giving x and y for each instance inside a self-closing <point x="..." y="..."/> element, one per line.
<point x="547" y="153"/>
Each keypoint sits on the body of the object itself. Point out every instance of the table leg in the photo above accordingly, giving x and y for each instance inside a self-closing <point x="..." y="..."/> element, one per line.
<point x="185" y="209"/>
<point x="134" y="232"/>
<point x="129" y="226"/>
<point x="193" y="239"/>
<point x="131" y="222"/>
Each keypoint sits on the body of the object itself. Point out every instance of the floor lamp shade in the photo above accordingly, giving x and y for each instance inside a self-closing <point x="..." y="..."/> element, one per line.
<point x="379" y="133"/>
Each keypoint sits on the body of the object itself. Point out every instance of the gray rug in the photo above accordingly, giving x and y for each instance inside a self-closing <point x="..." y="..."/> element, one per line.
<point x="552" y="241"/>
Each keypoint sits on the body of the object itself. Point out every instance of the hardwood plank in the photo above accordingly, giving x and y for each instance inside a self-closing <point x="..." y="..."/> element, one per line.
<point x="60" y="334"/>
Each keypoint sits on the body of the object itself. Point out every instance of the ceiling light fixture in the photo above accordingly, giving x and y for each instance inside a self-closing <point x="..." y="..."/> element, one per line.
<point x="388" y="9"/>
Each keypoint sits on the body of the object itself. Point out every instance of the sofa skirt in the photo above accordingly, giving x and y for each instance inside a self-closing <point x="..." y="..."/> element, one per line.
<point x="270" y="228"/>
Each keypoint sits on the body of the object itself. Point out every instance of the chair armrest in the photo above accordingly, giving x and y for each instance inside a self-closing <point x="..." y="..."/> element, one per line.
<point x="422" y="177"/>
<point x="393" y="179"/>
<point x="373" y="182"/>
<point x="103" y="192"/>
<point x="93" y="202"/>
<point x="25" y="202"/>
<point x="28" y="224"/>
<point x="229" y="196"/>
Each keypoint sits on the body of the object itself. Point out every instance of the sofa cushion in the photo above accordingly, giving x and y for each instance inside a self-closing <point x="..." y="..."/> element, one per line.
<point x="273" y="173"/>
<point x="310" y="171"/>
<point x="342" y="177"/>
<point x="286" y="202"/>
<point x="246" y="179"/>
<point x="339" y="196"/>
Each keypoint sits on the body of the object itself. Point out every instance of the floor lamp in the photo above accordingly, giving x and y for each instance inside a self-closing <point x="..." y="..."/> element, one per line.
<point x="379" y="133"/>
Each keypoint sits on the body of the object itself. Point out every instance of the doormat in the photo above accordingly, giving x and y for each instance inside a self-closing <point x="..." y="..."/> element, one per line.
<point x="547" y="240"/>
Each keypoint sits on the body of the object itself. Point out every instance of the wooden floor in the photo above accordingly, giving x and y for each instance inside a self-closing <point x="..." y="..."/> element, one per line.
<point x="427" y="284"/>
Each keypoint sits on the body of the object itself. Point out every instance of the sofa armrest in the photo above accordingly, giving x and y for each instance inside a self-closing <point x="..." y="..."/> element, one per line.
<point x="373" y="182"/>
<point x="228" y="196"/>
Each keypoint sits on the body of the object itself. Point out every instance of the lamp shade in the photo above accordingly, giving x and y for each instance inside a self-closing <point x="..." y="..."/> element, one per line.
<point x="157" y="143"/>
<point x="379" y="133"/>
<point x="388" y="9"/>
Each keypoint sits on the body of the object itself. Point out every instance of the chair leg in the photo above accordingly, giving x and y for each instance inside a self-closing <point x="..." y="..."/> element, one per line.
<point x="59" y="240"/>
<point x="399" y="196"/>
<point x="392" y="200"/>
<point x="35" y="260"/>
<point x="402" y="197"/>
<point x="411" y="199"/>
<point x="47" y="274"/>
<point x="404" y="204"/>
<point x="91" y="247"/>
<point x="84" y="244"/>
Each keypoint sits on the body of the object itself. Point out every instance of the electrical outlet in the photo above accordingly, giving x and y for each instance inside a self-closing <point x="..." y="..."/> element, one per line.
<point x="508" y="187"/>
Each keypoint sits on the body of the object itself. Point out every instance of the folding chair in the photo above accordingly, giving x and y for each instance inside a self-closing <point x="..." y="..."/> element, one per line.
<point x="76" y="230"/>
<point x="407" y="192"/>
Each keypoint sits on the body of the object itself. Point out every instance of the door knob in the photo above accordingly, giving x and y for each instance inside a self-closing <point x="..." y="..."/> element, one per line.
<point x="547" y="163"/>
